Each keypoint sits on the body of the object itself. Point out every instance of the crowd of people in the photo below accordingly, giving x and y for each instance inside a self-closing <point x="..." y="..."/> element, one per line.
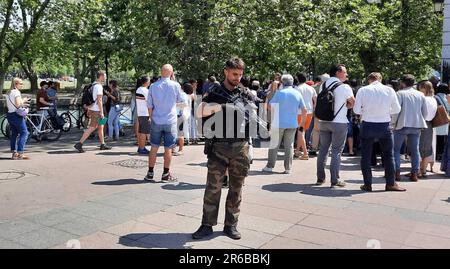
<point x="324" y="117"/>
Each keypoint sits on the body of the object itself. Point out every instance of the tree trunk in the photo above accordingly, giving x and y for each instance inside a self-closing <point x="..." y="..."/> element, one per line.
<point x="2" y="81"/>
<point x="34" y="82"/>
<point x="78" y="74"/>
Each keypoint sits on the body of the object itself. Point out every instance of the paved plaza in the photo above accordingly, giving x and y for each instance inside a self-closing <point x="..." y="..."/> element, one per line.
<point x="62" y="199"/>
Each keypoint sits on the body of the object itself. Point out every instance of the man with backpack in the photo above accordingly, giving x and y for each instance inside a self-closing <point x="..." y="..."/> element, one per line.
<point x="333" y="102"/>
<point x="93" y="100"/>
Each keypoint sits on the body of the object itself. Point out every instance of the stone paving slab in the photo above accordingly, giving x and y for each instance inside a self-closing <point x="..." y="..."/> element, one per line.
<point x="352" y="227"/>
<point x="129" y="203"/>
<point x="324" y="237"/>
<point x="43" y="238"/>
<point x="7" y="244"/>
<point x="53" y="217"/>
<point x="263" y="225"/>
<point x="133" y="230"/>
<point x="15" y="228"/>
<point x="427" y="241"/>
<point x="101" y="212"/>
<point x="272" y="213"/>
<point x="287" y="243"/>
<point x="82" y="226"/>
<point x="186" y="209"/>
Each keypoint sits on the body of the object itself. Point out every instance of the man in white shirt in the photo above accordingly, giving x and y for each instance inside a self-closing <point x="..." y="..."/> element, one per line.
<point x="376" y="103"/>
<point x="334" y="133"/>
<point x="309" y="96"/>
<point x="95" y="112"/>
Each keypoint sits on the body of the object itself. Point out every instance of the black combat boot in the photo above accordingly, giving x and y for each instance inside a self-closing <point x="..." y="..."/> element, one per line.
<point x="232" y="232"/>
<point x="202" y="232"/>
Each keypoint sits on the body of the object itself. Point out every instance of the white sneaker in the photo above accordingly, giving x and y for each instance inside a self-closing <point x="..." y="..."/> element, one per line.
<point x="287" y="172"/>
<point x="267" y="170"/>
<point x="178" y="153"/>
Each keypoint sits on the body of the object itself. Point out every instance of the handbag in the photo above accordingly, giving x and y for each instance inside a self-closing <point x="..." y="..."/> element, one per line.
<point x="21" y="111"/>
<point x="441" y="117"/>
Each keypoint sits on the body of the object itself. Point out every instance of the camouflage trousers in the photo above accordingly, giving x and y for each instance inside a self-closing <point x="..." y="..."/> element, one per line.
<point x="234" y="158"/>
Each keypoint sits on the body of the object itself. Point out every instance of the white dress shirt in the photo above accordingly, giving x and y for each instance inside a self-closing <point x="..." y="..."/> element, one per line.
<point x="376" y="103"/>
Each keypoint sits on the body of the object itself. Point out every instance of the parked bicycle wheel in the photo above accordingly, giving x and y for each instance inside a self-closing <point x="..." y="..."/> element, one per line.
<point x="67" y="122"/>
<point x="84" y="120"/>
<point x="4" y="125"/>
<point x="49" y="132"/>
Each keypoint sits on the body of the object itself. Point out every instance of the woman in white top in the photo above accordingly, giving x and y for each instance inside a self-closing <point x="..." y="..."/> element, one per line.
<point x="426" y="136"/>
<point x="143" y="114"/>
<point x="19" y="133"/>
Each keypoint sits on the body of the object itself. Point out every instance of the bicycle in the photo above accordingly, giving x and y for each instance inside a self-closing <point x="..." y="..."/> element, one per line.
<point x="39" y="125"/>
<point x="79" y="116"/>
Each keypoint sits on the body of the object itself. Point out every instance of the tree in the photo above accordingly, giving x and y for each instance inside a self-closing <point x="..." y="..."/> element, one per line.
<point x="16" y="31"/>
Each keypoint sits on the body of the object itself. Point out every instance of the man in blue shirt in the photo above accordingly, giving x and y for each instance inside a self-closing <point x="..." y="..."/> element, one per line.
<point x="162" y="100"/>
<point x="285" y="105"/>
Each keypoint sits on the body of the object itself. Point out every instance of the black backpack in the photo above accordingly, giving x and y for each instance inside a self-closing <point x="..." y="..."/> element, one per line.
<point x="325" y="103"/>
<point x="87" y="100"/>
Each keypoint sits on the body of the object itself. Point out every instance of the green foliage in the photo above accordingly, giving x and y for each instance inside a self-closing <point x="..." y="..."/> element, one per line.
<point x="395" y="37"/>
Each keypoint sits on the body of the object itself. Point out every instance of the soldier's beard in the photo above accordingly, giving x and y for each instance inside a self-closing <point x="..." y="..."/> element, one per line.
<point x="233" y="83"/>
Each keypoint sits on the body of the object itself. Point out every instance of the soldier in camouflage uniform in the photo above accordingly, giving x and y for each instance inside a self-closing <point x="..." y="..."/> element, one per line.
<point x="227" y="147"/>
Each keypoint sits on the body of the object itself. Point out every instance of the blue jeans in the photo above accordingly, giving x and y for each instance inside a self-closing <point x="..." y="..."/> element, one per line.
<point x="369" y="133"/>
<point x="19" y="132"/>
<point x="308" y="133"/>
<point x="413" y="135"/>
<point x="167" y="132"/>
<point x="113" y="122"/>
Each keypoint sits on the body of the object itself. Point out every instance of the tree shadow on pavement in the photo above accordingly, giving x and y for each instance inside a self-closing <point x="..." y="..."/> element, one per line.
<point x="120" y="182"/>
<point x="163" y="240"/>
<point x="311" y="189"/>
<point x="182" y="186"/>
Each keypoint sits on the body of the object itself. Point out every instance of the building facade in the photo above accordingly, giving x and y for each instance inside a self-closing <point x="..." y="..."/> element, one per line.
<point x="446" y="43"/>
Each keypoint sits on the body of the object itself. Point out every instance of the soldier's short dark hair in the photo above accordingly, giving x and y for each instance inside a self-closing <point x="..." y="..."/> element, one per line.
<point x="408" y="79"/>
<point x="235" y="63"/>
